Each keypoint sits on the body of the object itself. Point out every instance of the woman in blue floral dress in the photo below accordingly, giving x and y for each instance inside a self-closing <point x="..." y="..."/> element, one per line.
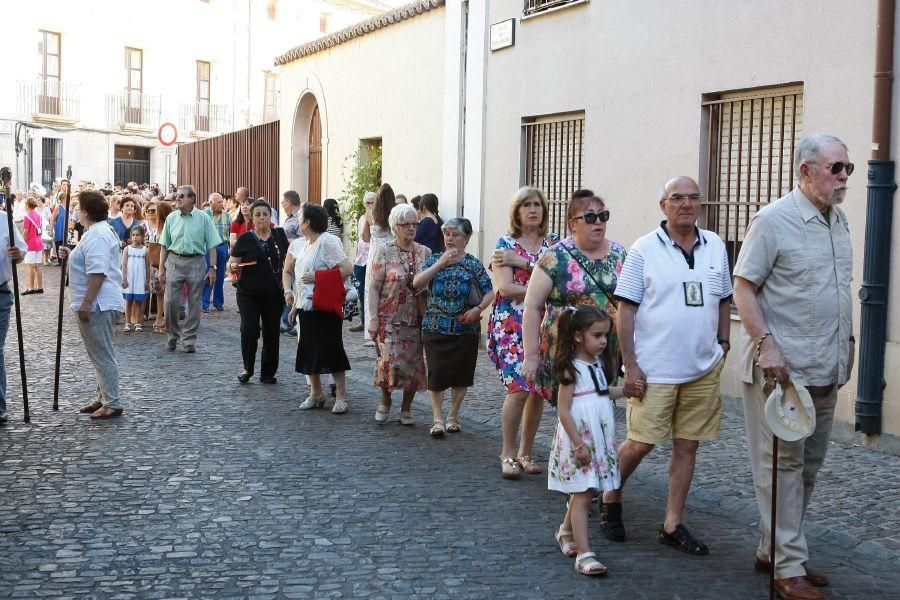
<point x="459" y="290"/>
<point x="580" y="270"/>
<point x="514" y="259"/>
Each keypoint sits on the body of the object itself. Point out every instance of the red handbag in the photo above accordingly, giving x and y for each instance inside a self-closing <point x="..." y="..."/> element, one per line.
<point x="328" y="293"/>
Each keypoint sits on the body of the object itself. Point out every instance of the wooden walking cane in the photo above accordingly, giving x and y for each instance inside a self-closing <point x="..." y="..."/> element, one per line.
<point x="63" y="264"/>
<point x="5" y="178"/>
<point x="774" y="513"/>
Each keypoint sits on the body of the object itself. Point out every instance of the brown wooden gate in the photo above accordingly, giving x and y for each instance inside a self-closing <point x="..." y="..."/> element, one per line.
<point x="314" y="193"/>
<point x="248" y="157"/>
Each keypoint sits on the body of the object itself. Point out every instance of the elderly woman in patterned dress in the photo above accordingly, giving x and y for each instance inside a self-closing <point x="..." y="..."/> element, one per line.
<point x="580" y="270"/>
<point x="514" y="260"/>
<point x="396" y="313"/>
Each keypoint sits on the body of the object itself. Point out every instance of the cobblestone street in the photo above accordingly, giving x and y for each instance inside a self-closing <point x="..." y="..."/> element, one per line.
<point x="208" y="488"/>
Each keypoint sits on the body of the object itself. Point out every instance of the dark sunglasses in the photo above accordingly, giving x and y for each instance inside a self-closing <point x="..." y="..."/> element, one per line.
<point x="837" y="167"/>
<point x="590" y="217"/>
<point x="150" y="211"/>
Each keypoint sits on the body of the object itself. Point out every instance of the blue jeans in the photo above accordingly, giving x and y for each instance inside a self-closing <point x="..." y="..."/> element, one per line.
<point x="360" y="273"/>
<point x="218" y="291"/>
<point x="6" y="302"/>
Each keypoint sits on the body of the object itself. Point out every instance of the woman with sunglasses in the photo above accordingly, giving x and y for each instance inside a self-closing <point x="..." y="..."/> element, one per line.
<point x="156" y="212"/>
<point x="395" y="310"/>
<point x="580" y="270"/>
<point x="513" y="262"/>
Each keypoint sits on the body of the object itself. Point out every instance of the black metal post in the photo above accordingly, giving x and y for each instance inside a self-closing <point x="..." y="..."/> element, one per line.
<point x="63" y="276"/>
<point x="5" y="178"/>
<point x="873" y="295"/>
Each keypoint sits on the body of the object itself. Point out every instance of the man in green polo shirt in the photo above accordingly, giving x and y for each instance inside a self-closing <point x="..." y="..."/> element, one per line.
<point x="187" y="236"/>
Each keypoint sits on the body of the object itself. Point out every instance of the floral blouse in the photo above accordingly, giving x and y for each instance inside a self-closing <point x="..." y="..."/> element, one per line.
<point x="448" y="295"/>
<point x="393" y="270"/>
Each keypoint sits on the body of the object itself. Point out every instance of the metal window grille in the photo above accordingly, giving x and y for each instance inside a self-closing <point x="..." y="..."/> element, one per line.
<point x="749" y="157"/>
<point x="51" y="161"/>
<point x="552" y="161"/>
<point x="536" y="6"/>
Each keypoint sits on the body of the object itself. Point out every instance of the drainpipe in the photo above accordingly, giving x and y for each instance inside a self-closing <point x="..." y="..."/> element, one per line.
<point x="879" y="213"/>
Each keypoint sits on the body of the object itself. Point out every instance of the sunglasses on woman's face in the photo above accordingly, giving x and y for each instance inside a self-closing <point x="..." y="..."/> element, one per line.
<point x="590" y="217"/>
<point x="150" y="211"/>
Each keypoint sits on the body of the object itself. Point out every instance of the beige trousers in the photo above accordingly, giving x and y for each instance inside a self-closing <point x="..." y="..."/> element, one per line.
<point x="798" y="465"/>
<point x="178" y="272"/>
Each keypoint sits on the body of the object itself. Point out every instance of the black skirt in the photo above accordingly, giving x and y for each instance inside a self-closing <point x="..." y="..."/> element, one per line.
<point x="321" y="346"/>
<point x="450" y="359"/>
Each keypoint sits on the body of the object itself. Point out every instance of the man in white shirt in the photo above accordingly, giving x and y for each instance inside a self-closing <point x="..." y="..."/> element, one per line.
<point x="673" y="324"/>
<point x="95" y="290"/>
<point x="12" y="256"/>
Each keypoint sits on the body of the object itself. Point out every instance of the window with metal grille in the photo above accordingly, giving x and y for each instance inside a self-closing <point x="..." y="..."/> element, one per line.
<point x="748" y="156"/>
<point x="51" y="161"/>
<point x="552" y="157"/>
<point x="537" y="6"/>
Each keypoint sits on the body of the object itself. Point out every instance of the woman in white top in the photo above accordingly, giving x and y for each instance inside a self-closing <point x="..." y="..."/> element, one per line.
<point x="320" y="347"/>
<point x="377" y="232"/>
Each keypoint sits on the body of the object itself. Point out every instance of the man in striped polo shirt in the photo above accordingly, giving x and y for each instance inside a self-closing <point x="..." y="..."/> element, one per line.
<point x="673" y="324"/>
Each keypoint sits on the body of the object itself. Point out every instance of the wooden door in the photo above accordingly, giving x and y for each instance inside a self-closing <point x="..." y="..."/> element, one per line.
<point x="314" y="191"/>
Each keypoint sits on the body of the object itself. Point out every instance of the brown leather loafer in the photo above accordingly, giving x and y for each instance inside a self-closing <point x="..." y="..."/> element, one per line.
<point x="797" y="588"/>
<point x="817" y="578"/>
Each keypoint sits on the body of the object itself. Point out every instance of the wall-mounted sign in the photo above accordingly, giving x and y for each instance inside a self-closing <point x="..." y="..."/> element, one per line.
<point x="503" y="34"/>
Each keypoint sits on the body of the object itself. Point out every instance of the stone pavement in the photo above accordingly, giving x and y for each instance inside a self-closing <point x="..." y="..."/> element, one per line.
<point x="206" y="488"/>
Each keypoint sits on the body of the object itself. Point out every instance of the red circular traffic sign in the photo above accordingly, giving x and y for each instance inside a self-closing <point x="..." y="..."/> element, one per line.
<point x="171" y="134"/>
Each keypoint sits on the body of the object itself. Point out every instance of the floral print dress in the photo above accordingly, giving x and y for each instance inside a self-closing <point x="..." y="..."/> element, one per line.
<point x="592" y="411"/>
<point x="400" y="364"/>
<point x="577" y="280"/>
<point x="504" y="336"/>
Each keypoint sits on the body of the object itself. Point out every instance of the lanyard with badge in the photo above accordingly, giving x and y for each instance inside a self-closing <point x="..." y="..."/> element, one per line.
<point x="693" y="290"/>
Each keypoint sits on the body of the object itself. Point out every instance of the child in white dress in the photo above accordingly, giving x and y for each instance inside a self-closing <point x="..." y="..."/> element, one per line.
<point x="583" y="457"/>
<point x="135" y="279"/>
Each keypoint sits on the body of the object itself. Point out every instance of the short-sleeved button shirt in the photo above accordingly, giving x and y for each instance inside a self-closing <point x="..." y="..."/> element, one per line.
<point x="97" y="254"/>
<point x="193" y="233"/>
<point x="802" y="266"/>
<point x="222" y="223"/>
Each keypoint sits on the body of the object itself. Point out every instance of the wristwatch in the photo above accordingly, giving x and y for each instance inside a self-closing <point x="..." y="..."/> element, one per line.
<point x="214" y="267"/>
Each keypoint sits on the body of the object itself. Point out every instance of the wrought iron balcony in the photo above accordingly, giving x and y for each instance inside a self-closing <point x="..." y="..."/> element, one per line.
<point x="202" y="117"/>
<point x="132" y="110"/>
<point x="49" y="99"/>
<point x="533" y="7"/>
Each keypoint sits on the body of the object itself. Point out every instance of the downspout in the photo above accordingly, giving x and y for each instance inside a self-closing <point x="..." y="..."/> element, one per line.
<point x="461" y="183"/>
<point x="873" y="294"/>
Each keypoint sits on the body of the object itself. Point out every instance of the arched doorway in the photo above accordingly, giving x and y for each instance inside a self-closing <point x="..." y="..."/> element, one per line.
<point x="314" y="181"/>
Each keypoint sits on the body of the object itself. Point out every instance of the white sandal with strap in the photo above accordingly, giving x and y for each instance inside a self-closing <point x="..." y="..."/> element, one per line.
<point x="569" y="549"/>
<point x="587" y="564"/>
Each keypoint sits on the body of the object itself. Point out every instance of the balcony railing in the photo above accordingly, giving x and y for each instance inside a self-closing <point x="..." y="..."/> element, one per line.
<point x="538" y="6"/>
<point x="49" y="97"/>
<point x="201" y="117"/>
<point x="132" y="109"/>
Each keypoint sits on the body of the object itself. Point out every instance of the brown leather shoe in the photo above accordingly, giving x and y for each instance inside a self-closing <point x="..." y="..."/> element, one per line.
<point x="817" y="578"/>
<point x="797" y="588"/>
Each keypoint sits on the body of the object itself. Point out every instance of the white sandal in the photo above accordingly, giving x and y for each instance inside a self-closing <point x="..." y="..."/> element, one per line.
<point x="587" y="564"/>
<point x="381" y="413"/>
<point x="569" y="549"/>
<point x="437" y="429"/>
<point x="406" y="418"/>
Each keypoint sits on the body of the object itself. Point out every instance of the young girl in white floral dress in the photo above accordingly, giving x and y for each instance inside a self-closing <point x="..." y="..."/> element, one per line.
<point x="583" y="457"/>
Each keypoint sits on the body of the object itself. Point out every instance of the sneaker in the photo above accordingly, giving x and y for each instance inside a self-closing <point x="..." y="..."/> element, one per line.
<point x="219" y="308"/>
<point x="340" y="406"/>
<point x="406" y="418"/>
<point x="127" y="327"/>
<point x="312" y="402"/>
<point x="611" y="521"/>
<point x="381" y="413"/>
<point x="206" y="310"/>
<point x="356" y="328"/>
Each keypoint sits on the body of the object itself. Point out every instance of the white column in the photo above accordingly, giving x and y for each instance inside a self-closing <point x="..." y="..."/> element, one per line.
<point x="454" y="108"/>
<point x="473" y="141"/>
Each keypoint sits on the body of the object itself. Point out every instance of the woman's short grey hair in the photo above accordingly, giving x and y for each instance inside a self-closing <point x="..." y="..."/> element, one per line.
<point x="461" y="224"/>
<point x="399" y="213"/>
<point x="369" y="197"/>
<point x="810" y="149"/>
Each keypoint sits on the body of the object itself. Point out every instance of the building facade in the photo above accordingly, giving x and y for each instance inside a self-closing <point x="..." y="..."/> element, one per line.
<point x="92" y="93"/>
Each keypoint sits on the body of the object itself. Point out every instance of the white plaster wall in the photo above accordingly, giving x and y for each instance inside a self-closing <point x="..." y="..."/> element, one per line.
<point x="385" y="84"/>
<point x="639" y="68"/>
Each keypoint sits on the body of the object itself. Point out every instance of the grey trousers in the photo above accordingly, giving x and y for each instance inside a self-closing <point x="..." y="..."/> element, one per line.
<point x="181" y="271"/>
<point x="798" y="465"/>
<point x="97" y="335"/>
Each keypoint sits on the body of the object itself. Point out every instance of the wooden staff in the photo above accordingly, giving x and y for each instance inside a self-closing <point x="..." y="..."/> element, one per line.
<point x="5" y="178"/>
<point x="774" y="515"/>
<point x="63" y="263"/>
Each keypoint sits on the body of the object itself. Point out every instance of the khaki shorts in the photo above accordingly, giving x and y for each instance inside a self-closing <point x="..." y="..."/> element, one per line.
<point x="688" y="411"/>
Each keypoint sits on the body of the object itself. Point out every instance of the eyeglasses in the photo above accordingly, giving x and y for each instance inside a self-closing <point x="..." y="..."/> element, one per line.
<point x="682" y="198"/>
<point x="416" y="224"/>
<point x="181" y="196"/>
<point x="150" y="211"/>
<point x="590" y="217"/>
<point x="837" y="167"/>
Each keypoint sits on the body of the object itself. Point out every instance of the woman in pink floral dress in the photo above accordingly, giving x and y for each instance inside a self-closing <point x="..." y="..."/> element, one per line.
<point x="580" y="270"/>
<point x="395" y="311"/>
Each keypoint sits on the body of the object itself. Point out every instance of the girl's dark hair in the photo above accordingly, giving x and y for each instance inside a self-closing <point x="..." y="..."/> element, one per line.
<point x="430" y="201"/>
<point x="240" y="216"/>
<point x="331" y="207"/>
<point x="416" y="201"/>
<point x="384" y="202"/>
<point x="570" y="322"/>
<point x="317" y="217"/>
